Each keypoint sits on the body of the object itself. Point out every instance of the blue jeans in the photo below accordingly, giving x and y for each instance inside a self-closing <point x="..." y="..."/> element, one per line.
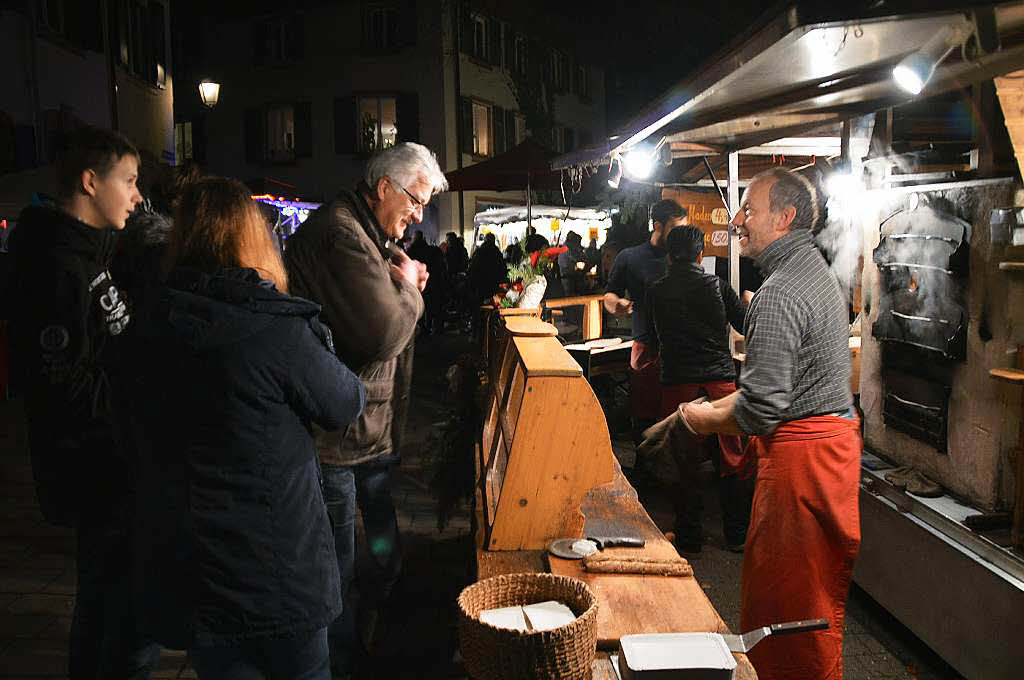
<point x="298" y="658"/>
<point x="105" y="639"/>
<point x="367" y="485"/>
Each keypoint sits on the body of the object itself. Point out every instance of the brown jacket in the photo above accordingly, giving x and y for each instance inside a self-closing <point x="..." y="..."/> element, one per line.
<point x="339" y="258"/>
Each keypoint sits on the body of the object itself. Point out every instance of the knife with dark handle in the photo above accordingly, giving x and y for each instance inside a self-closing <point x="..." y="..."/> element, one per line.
<point x="744" y="643"/>
<point x="617" y="542"/>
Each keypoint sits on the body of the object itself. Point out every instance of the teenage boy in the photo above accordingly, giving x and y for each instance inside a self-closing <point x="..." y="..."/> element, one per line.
<point x="68" y="316"/>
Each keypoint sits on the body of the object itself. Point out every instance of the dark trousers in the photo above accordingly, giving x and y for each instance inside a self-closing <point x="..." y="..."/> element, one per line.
<point x="105" y="638"/>
<point x="368" y="487"/>
<point x="735" y="496"/>
<point x="297" y="658"/>
<point x="735" y="487"/>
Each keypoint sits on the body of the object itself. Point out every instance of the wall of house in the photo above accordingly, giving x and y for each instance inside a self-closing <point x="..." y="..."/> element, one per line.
<point x="983" y="412"/>
<point x="332" y="68"/>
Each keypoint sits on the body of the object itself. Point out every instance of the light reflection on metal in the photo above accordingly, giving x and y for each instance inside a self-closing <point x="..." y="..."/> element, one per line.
<point x="916" y="266"/>
<point x="917" y="318"/>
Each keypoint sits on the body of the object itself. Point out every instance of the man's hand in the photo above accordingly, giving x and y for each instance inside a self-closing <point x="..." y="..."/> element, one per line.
<point x="623" y="307"/>
<point x="404" y="268"/>
<point x="746" y="296"/>
<point x="694" y="415"/>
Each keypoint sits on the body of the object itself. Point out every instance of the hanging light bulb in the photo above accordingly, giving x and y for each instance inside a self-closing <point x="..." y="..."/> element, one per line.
<point x="615" y="177"/>
<point x="638" y="163"/>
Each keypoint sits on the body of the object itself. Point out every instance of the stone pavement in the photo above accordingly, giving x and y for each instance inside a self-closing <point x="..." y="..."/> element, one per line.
<point x="415" y="638"/>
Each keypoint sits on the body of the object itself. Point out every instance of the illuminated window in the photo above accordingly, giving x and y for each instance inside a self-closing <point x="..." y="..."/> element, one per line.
<point x="378" y="123"/>
<point x="481" y="129"/>
<point x="281" y="133"/>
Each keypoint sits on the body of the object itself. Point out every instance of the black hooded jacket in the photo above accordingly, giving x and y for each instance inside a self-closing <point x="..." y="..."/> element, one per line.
<point x="67" y="318"/>
<point x="234" y="537"/>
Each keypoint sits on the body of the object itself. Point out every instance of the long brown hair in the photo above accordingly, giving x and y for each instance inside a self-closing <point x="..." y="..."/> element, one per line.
<point x="217" y="224"/>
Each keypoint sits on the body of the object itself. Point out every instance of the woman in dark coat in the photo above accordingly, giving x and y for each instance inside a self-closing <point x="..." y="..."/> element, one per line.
<point x="237" y="554"/>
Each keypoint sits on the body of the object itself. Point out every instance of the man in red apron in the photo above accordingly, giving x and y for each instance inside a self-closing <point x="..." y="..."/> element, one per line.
<point x="794" y="399"/>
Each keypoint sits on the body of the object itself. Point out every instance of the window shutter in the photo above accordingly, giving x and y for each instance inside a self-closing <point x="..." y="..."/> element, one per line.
<point x="254" y="124"/>
<point x="82" y="24"/>
<point x="345" y="125"/>
<point x="303" y="130"/>
<point x="510" y="129"/>
<point x="259" y="43"/>
<point x="409" y="24"/>
<point x="465" y="28"/>
<point x="158" y="32"/>
<point x="407" y="110"/>
<point x="494" y="41"/>
<point x="509" y="39"/>
<point x="467" y="125"/>
<point x="500" y="145"/>
<point x="295" y="38"/>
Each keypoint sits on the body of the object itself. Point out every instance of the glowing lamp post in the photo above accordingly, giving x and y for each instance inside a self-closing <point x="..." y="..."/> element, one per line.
<point x="209" y="92"/>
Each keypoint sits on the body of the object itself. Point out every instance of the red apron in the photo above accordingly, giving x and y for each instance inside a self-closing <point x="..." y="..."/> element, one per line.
<point x="801" y="545"/>
<point x="733" y="459"/>
<point x="644" y="381"/>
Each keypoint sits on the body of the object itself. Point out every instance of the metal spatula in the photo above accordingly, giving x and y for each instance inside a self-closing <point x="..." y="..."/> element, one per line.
<point x="744" y="643"/>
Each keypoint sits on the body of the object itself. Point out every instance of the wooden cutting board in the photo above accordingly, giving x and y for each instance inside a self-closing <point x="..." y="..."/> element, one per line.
<point x="635" y="603"/>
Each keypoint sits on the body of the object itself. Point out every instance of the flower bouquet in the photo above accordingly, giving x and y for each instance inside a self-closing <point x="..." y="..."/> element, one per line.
<point x="526" y="280"/>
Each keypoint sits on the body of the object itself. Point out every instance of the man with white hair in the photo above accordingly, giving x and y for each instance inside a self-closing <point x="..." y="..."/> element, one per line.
<point x="345" y="258"/>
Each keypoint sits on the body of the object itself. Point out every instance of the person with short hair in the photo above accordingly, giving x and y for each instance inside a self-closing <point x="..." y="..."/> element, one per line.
<point x="633" y="271"/>
<point x="343" y="257"/>
<point x="68" y="319"/>
<point x="572" y="265"/>
<point x="794" y="400"/>
<point x="691" y="312"/>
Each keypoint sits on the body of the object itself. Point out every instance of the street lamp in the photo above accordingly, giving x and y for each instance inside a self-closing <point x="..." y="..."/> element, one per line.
<point x="209" y="92"/>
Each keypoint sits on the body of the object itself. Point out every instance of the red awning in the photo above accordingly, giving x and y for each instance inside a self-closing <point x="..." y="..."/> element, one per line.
<point x="528" y="161"/>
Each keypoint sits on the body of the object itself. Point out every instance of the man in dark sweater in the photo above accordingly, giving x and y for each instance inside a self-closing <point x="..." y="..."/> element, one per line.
<point x="634" y="270"/>
<point x="68" y="315"/>
<point x="691" y="311"/>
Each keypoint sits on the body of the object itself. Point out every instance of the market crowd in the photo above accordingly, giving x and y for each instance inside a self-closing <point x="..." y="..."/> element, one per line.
<point x="213" y="416"/>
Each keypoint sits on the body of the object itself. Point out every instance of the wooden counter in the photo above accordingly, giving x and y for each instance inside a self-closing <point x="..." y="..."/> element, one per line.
<point x="548" y="449"/>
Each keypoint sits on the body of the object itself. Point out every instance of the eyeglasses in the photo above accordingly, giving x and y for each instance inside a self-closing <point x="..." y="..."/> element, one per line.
<point x="417" y="203"/>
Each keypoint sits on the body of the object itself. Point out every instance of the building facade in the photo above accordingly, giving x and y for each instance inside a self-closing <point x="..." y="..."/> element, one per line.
<point x="308" y="94"/>
<point x="74" y="62"/>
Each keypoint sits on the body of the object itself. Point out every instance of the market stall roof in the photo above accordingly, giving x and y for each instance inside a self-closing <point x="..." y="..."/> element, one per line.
<point x="518" y="214"/>
<point x="798" y="69"/>
<point x="510" y="171"/>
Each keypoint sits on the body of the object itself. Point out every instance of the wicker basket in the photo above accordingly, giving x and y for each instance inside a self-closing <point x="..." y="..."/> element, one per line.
<point x="492" y="653"/>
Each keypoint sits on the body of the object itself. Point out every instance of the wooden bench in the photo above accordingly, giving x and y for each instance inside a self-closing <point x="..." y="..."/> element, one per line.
<point x="545" y="470"/>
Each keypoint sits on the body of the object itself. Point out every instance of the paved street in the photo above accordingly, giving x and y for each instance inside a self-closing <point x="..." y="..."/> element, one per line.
<point x="416" y="636"/>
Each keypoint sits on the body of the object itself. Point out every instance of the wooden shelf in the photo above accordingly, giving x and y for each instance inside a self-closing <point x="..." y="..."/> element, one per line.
<point x="1012" y="266"/>
<point x="1012" y="375"/>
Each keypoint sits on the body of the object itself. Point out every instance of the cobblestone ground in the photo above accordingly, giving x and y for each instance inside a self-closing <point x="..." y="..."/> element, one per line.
<point x="415" y="638"/>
